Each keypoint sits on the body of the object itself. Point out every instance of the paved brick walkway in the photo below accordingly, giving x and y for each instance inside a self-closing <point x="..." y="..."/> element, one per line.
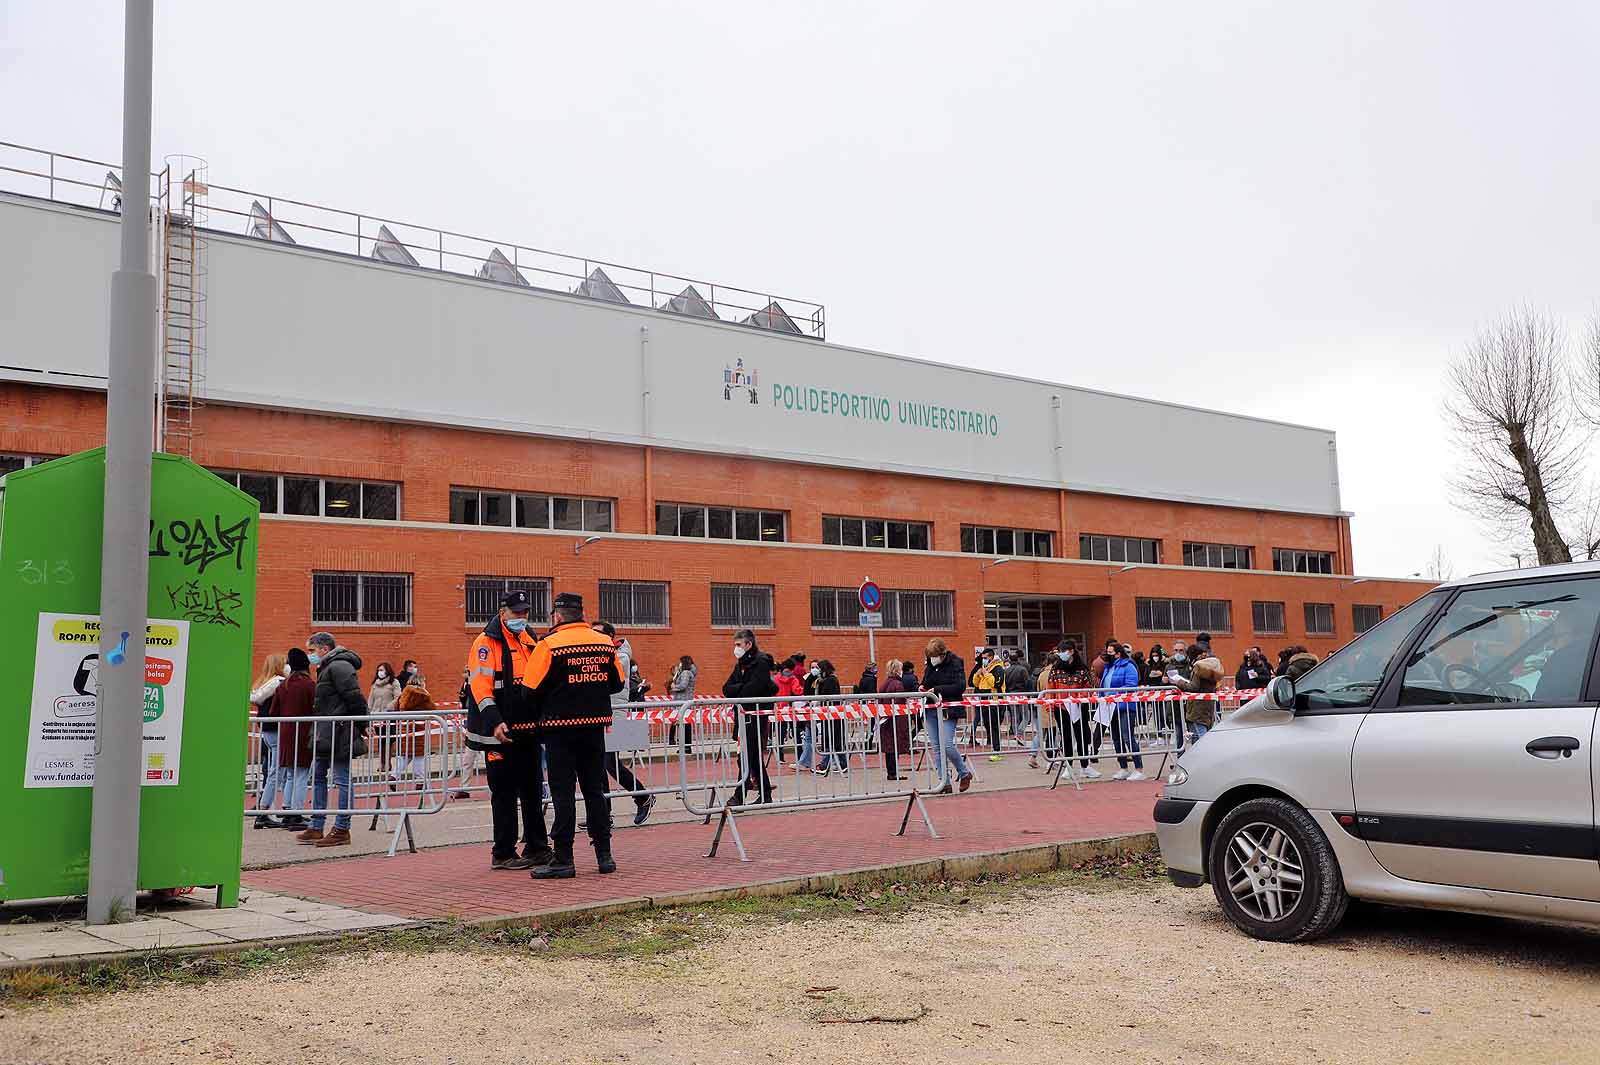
<point x="670" y="858"/>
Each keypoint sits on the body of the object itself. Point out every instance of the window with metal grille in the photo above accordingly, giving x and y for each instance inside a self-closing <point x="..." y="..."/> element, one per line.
<point x="876" y="532"/>
<point x="1294" y="560"/>
<point x="840" y="608"/>
<point x="1183" y="615"/>
<point x="361" y="598"/>
<point x="13" y="463"/>
<point x="741" y="606"/>
<point x="639" y="604"/>
<point x="529" y="510"/>
<point x="1118" y="548"/>
<point x="722" y="523"/>
<point x="988" y="540"/>
<point x="1267" y="618"/>
<point x="1319" y="619"/>
<point x="1364" y="617"/>
<point x="1218" y="556"/>
<point x="484" y="595"/>
<point x="313" y="496"/>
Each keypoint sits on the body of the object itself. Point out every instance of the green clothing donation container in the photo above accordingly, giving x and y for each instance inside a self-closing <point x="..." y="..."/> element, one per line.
<point x="203" y="537"/>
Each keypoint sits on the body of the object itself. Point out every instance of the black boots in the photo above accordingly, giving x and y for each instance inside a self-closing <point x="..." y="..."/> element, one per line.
<point x="607" y="863"/>
<point x="560" y="868"/>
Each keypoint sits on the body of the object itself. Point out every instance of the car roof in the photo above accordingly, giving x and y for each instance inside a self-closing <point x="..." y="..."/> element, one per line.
<point x="1532" y="573"/>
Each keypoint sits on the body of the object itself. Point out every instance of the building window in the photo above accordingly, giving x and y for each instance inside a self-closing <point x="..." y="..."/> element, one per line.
<point x="840" y="608"/>
<point x="1099" y="548"/>
<point x="1217" y="556"/>
<point x="1319" y="619"/>
<point x="13" y="463"/>
<point x="987" y="540"/>
<point x="529" y="510"/>
<point x="314" y="496"/>
<point x="1293" y="560"/>
<point x="1267" y="618"/>
<point x="635" y="604"/>
<point x="1365" y="617"/>
<point x="741" y="606"/>
<point x="1183" y="615"/>
<point x="484" y="595"/>
<point x="361" y="599"/>
<point x="722" y="523"/>
<point x="875" y="532"/>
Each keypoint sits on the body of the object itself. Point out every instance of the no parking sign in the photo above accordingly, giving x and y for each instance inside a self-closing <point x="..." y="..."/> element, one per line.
<point x="871" y="596"/>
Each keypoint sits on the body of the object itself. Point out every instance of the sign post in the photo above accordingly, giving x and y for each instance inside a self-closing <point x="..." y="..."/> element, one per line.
<point x="871" y="597"/>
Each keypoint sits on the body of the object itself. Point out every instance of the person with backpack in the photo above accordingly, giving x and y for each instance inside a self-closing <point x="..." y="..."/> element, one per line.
<point x="502" y="722"/>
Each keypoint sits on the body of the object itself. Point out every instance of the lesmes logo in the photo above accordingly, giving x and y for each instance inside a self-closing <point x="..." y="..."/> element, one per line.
<point x="738" y="378"/>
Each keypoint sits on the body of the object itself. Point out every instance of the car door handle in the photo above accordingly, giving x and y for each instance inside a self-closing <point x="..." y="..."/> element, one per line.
<point x="1553" y="746"/>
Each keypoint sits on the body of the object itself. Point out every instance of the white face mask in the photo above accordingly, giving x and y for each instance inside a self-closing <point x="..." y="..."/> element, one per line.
<point x="286" y="669"/>
<point x="815" y="671"/>
<point x="738" y="650"/>
<point x="383" y="674"/>
<point x="934" y="660"/>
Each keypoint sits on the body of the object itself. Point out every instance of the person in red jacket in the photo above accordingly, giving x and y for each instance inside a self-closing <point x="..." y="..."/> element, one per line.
<point x="789" y="684"/>
<point x="295" y="697"/>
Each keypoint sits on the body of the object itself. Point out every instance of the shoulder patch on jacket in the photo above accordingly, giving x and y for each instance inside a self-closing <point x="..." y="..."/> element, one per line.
<point x="483" y="653"/>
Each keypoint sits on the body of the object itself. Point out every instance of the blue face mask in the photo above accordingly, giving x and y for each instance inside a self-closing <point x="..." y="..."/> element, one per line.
<point x="516" y="624"/>
<point x="316" y="660"/>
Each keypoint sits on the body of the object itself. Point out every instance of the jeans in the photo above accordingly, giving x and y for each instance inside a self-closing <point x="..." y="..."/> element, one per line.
<point x="1199" y="730"/>
<point x="1122" y="735"/>
<point x="292" y="781"/>
<point x="269" y="776"/>
<point x="319" y="791"/>
<point x="942" y="733"/>
<point x="808" y="746"/>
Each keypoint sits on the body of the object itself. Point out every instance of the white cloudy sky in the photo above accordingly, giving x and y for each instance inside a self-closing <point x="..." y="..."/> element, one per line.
<point x="1292" y="210"/>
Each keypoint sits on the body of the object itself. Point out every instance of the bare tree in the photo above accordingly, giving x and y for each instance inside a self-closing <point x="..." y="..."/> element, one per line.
<point x="1586" y="373"/>
<point x="1515" y="426"/>
<point x="1439" y="568"/>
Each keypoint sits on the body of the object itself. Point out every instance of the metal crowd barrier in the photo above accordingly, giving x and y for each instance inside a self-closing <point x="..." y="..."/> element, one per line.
<point x="798" y="752"/>
<point x="407" y="755"/>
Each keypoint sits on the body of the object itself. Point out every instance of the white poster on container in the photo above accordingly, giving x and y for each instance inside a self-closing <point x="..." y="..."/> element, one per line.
<point x="66" y="672"/>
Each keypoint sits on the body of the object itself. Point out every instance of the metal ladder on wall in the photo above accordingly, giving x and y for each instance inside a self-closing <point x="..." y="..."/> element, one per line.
<point x="183" y="305"/>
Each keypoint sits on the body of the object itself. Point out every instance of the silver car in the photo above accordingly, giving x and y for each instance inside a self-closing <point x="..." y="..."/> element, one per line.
<point x="1445" y="758"/>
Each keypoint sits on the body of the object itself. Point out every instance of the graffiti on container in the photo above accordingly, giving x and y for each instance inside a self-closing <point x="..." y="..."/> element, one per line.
<point x="45" y="571"/>
<point x="198" y="545"/>
<point x="208" y="605"/>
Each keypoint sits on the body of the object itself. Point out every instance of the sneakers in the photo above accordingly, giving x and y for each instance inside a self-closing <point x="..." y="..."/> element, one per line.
<point x="513" y="862"/>
<point x="1033" y="763"/>
<point x="945" y="789"/>
<point x="1121" y="774"/>
<point x="310" y="835"/>
<point x="1091" y="773"/>
<point x="606" y="863"/>
<point x="560" y="868"/>
<point x="538" y="856"/>
<point x="339" y="837"/>
<point x="996" y="758"/>
<point x="966" y="782"/>
<point x="292" y="822"/>
<point x="461" y="794"/>
<point x="1137" y="774"/>
<point x="267" y="821"/>
<point x="642" y="814"/>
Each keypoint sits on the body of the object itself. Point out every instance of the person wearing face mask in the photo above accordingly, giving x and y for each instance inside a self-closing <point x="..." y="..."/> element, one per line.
<point x="788" y="682"/>
<point x="946" y="676"/>
<point x="751" y="679"/>
<point x="335" y="743"/>
<point x="828" y="684"/>
<point x="381" y="699"/>
<point x="502" y="722"/>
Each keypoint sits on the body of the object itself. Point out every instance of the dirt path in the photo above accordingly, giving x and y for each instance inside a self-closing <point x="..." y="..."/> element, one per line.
<point x="1138" y="973"/>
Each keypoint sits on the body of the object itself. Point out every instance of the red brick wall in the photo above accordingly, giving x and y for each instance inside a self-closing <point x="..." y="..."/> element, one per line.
<point x="427" y="460"/>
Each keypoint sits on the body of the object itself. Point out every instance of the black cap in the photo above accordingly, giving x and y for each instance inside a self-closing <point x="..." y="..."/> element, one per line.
<point x="1204" y="637"/>
<point x="517" y="601"/>
<point x="569" y="601"/>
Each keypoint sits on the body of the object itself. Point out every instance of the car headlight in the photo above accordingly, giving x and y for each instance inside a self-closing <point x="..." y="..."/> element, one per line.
<point x="1177" y="775"/>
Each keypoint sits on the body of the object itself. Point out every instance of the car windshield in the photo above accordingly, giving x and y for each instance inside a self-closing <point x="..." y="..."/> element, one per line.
<point x="1349" y="678"/>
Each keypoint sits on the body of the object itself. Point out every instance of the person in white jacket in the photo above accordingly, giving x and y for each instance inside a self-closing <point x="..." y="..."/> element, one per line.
<point x="273" y="670"/>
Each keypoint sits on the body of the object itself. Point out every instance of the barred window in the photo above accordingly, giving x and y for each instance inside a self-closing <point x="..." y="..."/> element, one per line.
<point x="529" y="510"/>
<point x="13" y="463"/>
<point x="639" y="604"/>
<point x="1294" y="560"/>
<point x="361" y="598"/>
<point x="1183" y="615"/>
<point x="1267" y="618"/>
<point x="723" y="523"/>
<point x="988" y="540"/>
<point x="741" y="606"/>
<point x="1099" y="548"/>
<point x="1364" y="617"/>
<point x="840" y="608"/>
<point x="314" y="496"/>
<point x="1319" y="619"/>
<point x="1218" y="556"/>
<point x="876" y="532"/>
<point x="484" y="595"/>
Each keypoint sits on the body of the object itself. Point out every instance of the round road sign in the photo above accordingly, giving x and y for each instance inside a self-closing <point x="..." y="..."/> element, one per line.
<point x="871" y="596"/>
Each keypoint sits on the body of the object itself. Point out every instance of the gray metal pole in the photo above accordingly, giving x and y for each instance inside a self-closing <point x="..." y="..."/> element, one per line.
<point x="125" y="563"/>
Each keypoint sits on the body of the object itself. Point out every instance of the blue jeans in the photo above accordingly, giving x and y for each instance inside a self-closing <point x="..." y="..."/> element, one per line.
<point x="269" y="776"/>
<point x="808" y="745"/>
<point x="292" y="782"/>
<point x="1199" y="730"/>
<point x="1122" y="734"/>
<point x="319" y="791"/>
<point x="942" y="734"/>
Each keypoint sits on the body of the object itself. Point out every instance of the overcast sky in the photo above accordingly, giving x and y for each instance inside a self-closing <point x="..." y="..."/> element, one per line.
<point x="1290" y="210"/>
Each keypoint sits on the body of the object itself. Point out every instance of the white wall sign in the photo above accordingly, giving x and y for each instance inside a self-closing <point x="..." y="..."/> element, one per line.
<point x="61" y="722"/>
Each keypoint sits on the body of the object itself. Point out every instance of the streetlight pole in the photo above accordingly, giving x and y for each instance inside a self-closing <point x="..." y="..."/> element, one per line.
<point x="124" y="558"/>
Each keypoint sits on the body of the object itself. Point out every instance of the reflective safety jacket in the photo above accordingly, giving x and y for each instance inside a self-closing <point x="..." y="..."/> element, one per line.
<point x="492" y="684"/>
<point x="572" y="674"/>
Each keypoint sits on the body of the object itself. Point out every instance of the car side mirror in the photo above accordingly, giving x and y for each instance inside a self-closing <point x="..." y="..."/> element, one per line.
<point x="1280" y="693"/>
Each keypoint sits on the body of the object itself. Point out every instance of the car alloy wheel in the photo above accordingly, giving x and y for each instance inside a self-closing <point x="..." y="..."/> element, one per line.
<point x="1264" y="871"/>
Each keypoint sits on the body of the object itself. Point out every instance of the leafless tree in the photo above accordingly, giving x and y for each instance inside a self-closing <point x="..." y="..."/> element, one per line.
<point x="1439" y="568"/>
<point x="1586" y="373"/>
<point x="1516" y="428"/>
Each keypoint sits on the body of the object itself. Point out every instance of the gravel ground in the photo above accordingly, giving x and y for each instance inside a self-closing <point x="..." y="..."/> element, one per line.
<point x="1142" y="972"/>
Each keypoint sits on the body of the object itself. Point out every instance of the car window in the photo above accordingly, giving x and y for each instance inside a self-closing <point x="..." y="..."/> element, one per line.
<point x="1348" y="679"/>
<point x="1519" y="644"/>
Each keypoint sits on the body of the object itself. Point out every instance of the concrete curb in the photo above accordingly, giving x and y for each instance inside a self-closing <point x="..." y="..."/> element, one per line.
<point x="1017" y="860"/>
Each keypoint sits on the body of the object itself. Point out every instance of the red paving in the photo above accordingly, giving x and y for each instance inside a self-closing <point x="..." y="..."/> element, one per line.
<point x="670" y="858"/>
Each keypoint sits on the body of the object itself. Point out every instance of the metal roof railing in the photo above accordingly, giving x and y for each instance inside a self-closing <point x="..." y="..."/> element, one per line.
<point x="84" y="182"/>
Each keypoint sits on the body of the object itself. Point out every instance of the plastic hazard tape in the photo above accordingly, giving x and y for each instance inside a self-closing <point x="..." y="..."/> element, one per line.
<point x="1109" y="696"/>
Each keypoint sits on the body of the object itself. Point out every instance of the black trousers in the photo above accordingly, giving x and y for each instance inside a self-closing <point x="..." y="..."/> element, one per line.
<point x="990" y="716"/>
<point x="514" y="780"/>
<point x="577" y="755"/>
<point x="619" y="770"/>
<point x="754" y="751"/>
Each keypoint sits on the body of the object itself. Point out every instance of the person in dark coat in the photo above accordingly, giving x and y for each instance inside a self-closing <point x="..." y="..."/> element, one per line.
<point x="752" y="679"/>
<point x="946" y="676"/>
<point x="834" y="751"/>
<point x="338" y="694"/>
<point x="894" y="731"/>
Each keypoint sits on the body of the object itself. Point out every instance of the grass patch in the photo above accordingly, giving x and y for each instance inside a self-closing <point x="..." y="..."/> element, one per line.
<point x="640" y="936"/>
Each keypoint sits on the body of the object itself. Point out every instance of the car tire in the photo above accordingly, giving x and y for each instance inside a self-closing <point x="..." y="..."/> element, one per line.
<point x="1269" y="837"/>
